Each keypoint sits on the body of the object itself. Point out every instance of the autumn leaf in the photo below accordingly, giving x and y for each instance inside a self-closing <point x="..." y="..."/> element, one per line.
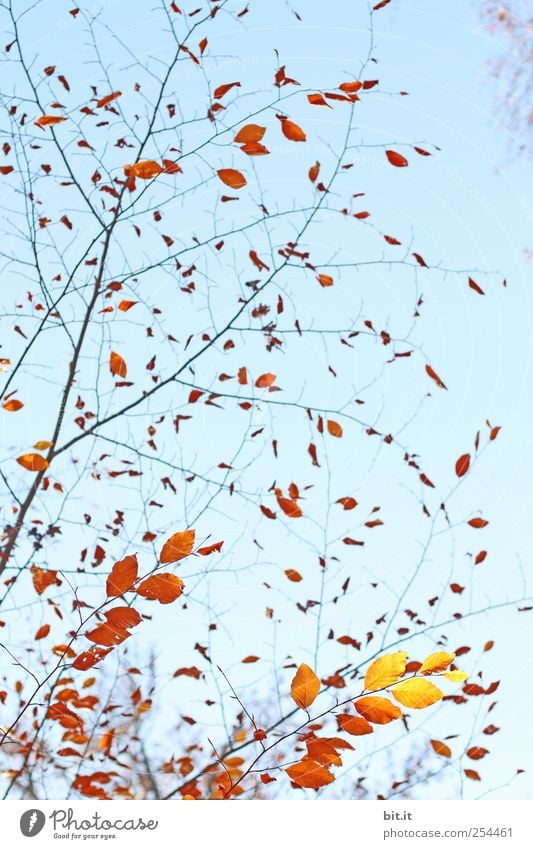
<point x="108" y="99"/>
<point x="386" y="670"/>
<point x="265" y="380"/>
<point x="434" y="376"/>
<point x="124" y="306"/>
<point x="396" y="159"/>
<point x="436" y="662"/>
<point x="293" y="575"/>
<point x="356" y="725"/>
<point x="163" y="587"/>
<point x="123" y="575"/>
<point x="308" y="773"/>
<point x="334" y="428"/>
<point x="49" y="120"/>
<point x="88" y="659"/>
<point x="472" y="774"/>
<point x="417" y="693"/>
<point x="478" y="523"/>
<point x="146" y="169"/>
<point x="441" y="748"/>
<point x="325" y="280"/>
<point x="33" y="462"/>
<point x="178" y="546"/>
<point x="210" y="549"/>
<point x="462" y="465"/>
<point x="250" y="134"/>
<point x="289" y="507"/>
<point x="117" y="365"/>
<point x="378" y="710"/>
<point x="456" y="675"/>
<point x="305" y="686"/>
<point x="107" y="635"/>
<point x="43" y="578"/>
<point x="12" y="405"/>
<point x="122" y="617"/>
<point x="348" y="503"/>
<point x="43" y="444"/>
<point x="473" y="285"/>
<point x="43" y="631"/>
<point x="475" y="753"/>
<point x="231" y="177"/>
<point x="292" y="131"/>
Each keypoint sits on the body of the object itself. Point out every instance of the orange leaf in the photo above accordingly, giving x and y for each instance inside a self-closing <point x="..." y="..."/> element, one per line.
<point x="293" y="575"/>
<point x="472" y="774"/>
<point x="89" y="658"/>
<point x="162" y="587"/>
<point x="124" y="306"/>
<point x="49" y="120"/>
<point x="477" y="752"/>
<point x="250" y="133"/>
<point x="43" y="631"/>
<point x="308" y="773"/>
<point x="108" y="635"/>
<point x="396" y="159"/>
<point x="292" y="131"/>
<point x="355" y="725"/>
<point x="178" y="546"/>
<point x="223" y="89"/>
<point x="289" y="507"/>
<point x="108" y="99"/>
<point x="251" y="658"/>
<point x="317" y="100"/>
<point x="146" y="169"/>
<point x="378" y="710"/>
<point x="334" y="429"/>
<point x="305" y="686"/>
<point x="13" y="405"/>
<point x="123" y="575"/>
<point x="43" y="578"/>
<point x="441" y="748"/>
<point x="231" y="177"/>
<point x="325" y="280"/>
<point x="478" y="523"/>
<point x="209" y="549"/>
<point x="265" y="380"/>
<point x="33" y="462"/>
<point x="123" y="617"/>
<point x="347" y="503"/>
<point x="117" y="364"/>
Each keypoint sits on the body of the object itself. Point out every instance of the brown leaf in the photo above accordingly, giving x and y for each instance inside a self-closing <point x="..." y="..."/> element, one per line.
<point x="462" y="465"/>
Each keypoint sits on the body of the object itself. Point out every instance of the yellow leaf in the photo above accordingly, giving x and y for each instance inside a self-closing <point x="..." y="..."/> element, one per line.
<point x="304" y="686"/>
<point x="43" y="444"/>
<point x="436" y="662"/>
<point x="417" y="693"/>
<point x="385" y="670"/>
<point x="456" y="675"/>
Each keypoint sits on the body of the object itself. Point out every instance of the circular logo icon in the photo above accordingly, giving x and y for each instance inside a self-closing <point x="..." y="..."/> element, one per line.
<point x="32" y="822"/>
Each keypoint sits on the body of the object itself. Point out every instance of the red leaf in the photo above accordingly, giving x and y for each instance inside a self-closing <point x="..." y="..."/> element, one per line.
<point x="396" y="159"/>
<point x="462" y="465"/>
